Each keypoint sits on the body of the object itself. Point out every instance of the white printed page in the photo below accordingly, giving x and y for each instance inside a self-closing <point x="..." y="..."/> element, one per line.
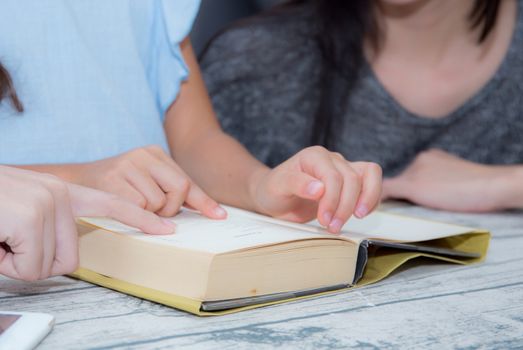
<point x="377" y="225"/>
<point x="392" y="227"/>
<point x="240" y="230"/>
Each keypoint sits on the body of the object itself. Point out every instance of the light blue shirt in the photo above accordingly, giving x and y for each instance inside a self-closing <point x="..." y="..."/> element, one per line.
<point x="95" y="76"/>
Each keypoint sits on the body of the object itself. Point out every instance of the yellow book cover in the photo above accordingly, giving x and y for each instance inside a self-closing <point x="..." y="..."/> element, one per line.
<point x="248" y="260"/>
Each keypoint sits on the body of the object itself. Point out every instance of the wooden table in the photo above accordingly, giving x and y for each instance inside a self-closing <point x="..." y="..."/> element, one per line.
<point x="430" y="306"/>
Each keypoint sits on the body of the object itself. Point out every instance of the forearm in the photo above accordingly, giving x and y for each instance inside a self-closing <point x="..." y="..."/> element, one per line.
<point x="215" y="161"/>
<point x="222" y="167"/>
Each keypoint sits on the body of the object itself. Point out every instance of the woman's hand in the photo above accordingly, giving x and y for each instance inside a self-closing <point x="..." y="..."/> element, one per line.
<point x="149" y="178"/>
<point x="38" y="236"/>
<point x="440" y="180"/>
<point x="318" y="183"/>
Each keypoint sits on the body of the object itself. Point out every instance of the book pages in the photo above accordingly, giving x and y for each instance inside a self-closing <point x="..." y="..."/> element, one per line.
<point x="245" y="230"/>
<point x="237" y="232"/>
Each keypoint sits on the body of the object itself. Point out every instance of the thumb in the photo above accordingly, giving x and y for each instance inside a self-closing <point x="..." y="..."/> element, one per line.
<point x="90" y="202"/>
<point x="301" y="185"/>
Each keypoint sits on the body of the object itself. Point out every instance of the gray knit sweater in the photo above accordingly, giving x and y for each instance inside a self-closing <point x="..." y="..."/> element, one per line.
<point x="263" y="80"/>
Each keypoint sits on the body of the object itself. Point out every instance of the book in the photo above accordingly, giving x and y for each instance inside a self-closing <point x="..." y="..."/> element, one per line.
<point x="210" y="267"/>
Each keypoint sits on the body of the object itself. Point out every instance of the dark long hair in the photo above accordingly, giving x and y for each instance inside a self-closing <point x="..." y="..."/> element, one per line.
<point x="7" y="89"/>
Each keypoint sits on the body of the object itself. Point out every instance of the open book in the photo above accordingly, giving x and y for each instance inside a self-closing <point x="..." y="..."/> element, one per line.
<point x="249" y="260"/>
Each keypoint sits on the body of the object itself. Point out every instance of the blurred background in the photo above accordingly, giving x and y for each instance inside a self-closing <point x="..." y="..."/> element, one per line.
<point x="214" y="15"/>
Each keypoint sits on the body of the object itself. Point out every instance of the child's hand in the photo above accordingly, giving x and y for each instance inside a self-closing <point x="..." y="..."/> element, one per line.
<point x="149" y="178"/>
<point x="38" y="233"/>
<point x="318" y="183"/>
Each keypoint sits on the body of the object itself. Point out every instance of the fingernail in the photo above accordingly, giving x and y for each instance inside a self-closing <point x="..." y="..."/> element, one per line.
<point x="169" y="223"/>
<point x="327" y="217"/>
<point x="361" y="211"/>
<point x="220" y="212"/>
<point x="314" y="188"/>
<point x="335" y="225"/>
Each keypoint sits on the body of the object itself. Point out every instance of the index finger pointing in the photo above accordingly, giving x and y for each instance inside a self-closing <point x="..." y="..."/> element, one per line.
<point x="90" y="202"/>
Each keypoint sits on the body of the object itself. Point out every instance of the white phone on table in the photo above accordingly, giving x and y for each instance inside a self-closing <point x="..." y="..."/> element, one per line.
<point x="23" y="330"/>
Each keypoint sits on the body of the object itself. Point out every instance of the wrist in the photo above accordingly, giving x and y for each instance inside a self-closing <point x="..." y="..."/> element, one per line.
<point x="511" y="184"/>
<point x="71" y="173"/>
<point x="253" y="188"/>
<point x="67" y="172"/>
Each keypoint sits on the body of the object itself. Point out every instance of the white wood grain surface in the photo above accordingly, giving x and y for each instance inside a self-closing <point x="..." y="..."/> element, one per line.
<point x="433" y="305"/>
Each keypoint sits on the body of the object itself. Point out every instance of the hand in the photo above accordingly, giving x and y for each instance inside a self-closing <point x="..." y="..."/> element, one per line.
<point x="149" y="178"/>
<point x="38" y="233"/>
<point x="318" y="183"/>
<point x="440" y="180"/>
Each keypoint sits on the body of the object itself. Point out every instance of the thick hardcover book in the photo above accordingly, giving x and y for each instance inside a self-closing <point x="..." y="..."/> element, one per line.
<point x="248" y="260"/>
